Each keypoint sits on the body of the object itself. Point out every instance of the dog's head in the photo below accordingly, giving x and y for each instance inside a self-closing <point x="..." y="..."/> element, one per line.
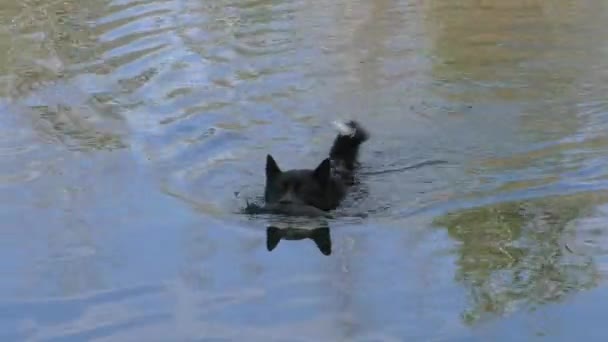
<point x="306" y="187"/>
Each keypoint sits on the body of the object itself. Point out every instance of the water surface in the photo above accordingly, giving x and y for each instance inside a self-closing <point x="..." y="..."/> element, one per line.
<point x="133" y="132"/>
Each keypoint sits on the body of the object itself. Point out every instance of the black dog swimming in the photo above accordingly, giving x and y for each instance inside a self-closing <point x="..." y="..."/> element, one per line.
<point x="308" y="192"/>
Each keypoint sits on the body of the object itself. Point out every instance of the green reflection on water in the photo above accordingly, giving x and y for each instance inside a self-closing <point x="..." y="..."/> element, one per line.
<point x="516" y="254"/>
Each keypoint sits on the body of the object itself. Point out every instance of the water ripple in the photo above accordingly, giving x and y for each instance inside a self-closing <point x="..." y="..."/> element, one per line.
<point x="130" y="124"/>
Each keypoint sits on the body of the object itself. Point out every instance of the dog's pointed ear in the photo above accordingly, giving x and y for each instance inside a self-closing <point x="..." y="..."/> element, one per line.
<point x="272" y="169"/>
<point x="322" y="239"/>
<point x="273" y="237"/>
<point x="322" y="172"/>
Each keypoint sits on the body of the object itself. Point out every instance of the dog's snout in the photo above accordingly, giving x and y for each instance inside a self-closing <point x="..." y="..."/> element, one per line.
<point x="287" y="198"/>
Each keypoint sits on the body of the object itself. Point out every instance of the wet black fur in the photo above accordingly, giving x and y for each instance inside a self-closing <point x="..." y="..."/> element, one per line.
<point x="323" y="187"/>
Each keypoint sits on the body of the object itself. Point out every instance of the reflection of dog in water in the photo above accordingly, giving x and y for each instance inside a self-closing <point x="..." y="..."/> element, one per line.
<point x="306" y="192"/>
<point x="320" y="236"/>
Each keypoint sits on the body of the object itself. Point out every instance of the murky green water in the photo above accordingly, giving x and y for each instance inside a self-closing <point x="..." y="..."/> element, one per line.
<point x="132" y="132"/>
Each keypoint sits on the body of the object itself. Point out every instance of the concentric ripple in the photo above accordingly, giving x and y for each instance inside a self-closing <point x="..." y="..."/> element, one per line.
<point x="132" y="132"/>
